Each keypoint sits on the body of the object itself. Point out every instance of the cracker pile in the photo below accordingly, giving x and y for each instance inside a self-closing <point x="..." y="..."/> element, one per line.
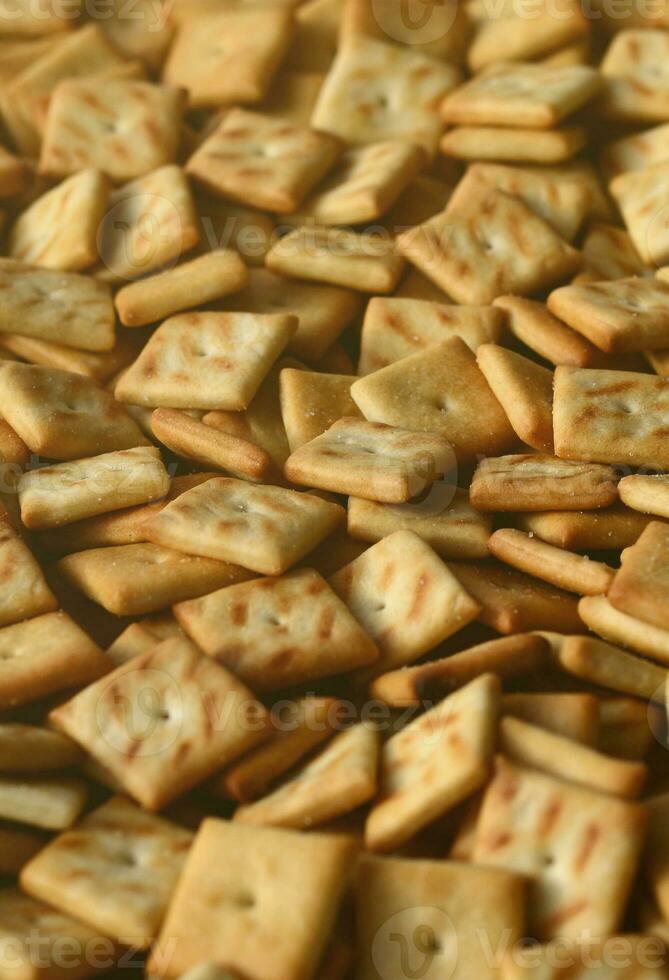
<point x="334" y="490"/>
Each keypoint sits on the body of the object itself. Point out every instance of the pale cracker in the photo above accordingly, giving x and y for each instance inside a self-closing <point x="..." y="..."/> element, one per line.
<point x="642" y="197"/>
<point x="51" y="802"/>
<point x="395" y="327"/>
<point x="531" y="323"/>
<point x="579" y="849"/>
<point x="504" y="144"/>
<point x="25" y="592"/>
<point x="596" y="662"/>
<point x="100" y="366"/>
<point x="636" y="80"/>
<point x="608" y="253"/>
<point x="608" y="529"/>
<point x="536" y="482"/>
<point x="405" y="597"/>
<point x="564" y="569"/>
<point x="260" y="900"/>
<point x="133" y="579"/>
<point x="648" y="494"/>
<point x="115" y="871"/>
<point x="435" y="763"/>
<point x="370" y="460"/>
<point x="266" y="529"/>
<point x="623" y="630"/>
<point x="262" y="161"/>
<point x="525" y="392"/>
<point x="202" y="280"/>
<point x="611" y="417"/>
<point x="312" y="402"/>
<point x="31" y="749"/>
<point x="517" y="37"/>
<point x="636" y="152"/>
<point x="639" y="587"/>
<point x="274" y="632"/>
<point x="146" y="36"/>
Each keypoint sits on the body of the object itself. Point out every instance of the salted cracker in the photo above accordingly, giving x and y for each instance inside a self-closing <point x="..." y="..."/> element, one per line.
<point x="25" y="592"/>
<point x="607" y="529"/>
<point x="607" y="666"/>
<point x="524" y="389"/>
<point x="642" y="196"/>
<point x="565" y="569"/>
<point x="528" y="482"/>
<point x="624" y="630"/>
<point x="531" y="323"/>
<point x="645" y="493"/>
<point x="640" y="583"/>
<point x="311" y="402"/>
<point x="504" y="144"/>
<point x="636" y="82"/>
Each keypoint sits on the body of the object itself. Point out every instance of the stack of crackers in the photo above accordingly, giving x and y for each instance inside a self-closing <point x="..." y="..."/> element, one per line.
<point x="334" y="490"/>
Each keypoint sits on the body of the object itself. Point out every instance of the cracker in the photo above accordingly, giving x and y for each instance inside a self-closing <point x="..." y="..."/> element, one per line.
<point x="640" y="584"/>
<point x="592" y="660"/>
<point x="124" y="128"/>
<point x="300" y="726"/>
<point x="636" y="152"/>
<point x="267" y="529"/>
<point x="146" y="35"/>
<point x="230" y="57"/>
<point x="513" y="145"/>
<point x="278" y="632"/>
<point x="489" y="247"/>
<point x="507" y="657"/>
<point x="116" y="871"/>
<point x="533" y="746"/>
<point x="524" y="95"/>
<point x="59" y="230"/>
<point x="52" y="802"/>
<point x="648" y="494"/>
<point x="610" y="417"/>
<point x="370" y="460"/>
<point x="442" y="33"/>
<point x="524" y="390"/>
<point x="429" y="912"/>
<point x="535" y="482"/>
<point x="517" y="37"/>
<point x="61" y="415"/>
<point x="25" y="592"/>
<point x="435" y="763"/>
<point x="340" y="778"/>
<point x="424" y="196"/>
<point x="628" y="726"/>
<point x="636" y="81"/>
<point x="312" y="402"/>
<point x="608" y="529"/>
<point x="608" y="253"/>
<point x="641" y="197"/>
<point x="100" y="365"/>
<point x="513" y="602"/>
<point x="364" y="185"/>
<point x="323" y="311"/>
<point x="45" y="655"/>
<point x="196" y="718"/>
<point x="209" y="446"/>
<point x="241" y="894"/>
<point x="405" y="597"/>
<point x="338" y="256"/>
<point x="149" y="223"/>
<point x="562" y="201"/>
<point x="262" y="161"/>
<point x="378" y="91"/>
<point x="199" y="281"/>
<point x="625" y="630"/>
<point x="133" y="579"/>
<point x="394" y="328"/>
<point x="206" y="360"/>
<point x="439" y="390"/>
<point x="579" y="848"/>
<point x="448" y="523"/>
<point x="30" y="749"/>
<point x="574" y="716"/>
<point x="564" y="569"/>
<point x="531" y="323"/>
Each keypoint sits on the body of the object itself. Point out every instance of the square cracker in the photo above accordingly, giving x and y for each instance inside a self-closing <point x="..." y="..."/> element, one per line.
<point x="340" y="256"/>
<point x="531" y="323"/>
<point x="592" y="660"/>
<point x="439" y="390"/>
<point x="339" y="779"/>
<point x="115" y="871"/>
<point x="257" y="899"/>
<point x="51" y="802"/>
<point x="565" y="569"/>
<point x="624" y="630"/>
<point x="618" y="317"/>
<point x="437" y="907"/>
<point x="134" y="579"/>
<point x="311" y="402"/>
<point x="377" y="91"/>
<point x="149" y="223"/>
<point x="266" y="162"/>
<point x="60" y="494"/>
<point x="371" y="460"/>
<point x="488" y="247"/>
<point x="648" y="494"/>
<point x="610" y="528"/>
<point x="524" y="389"/>
<point x="32" y="749"/>
<point x="62" y="415"/>
<point x="230" y="57"/>
<point x="59" y="230"/>
<point x="201" y="717"/>
<point x="202" y="280"/>
<point x="608" y="253"/>
<point x="642" y="197"/>
<point x="322" y="310"/>
<point x="535" y="482"/>
<point x="98" y="365"/>
<point x="512" y="36"/>
<point x="523" y="95"/>
<point x="125" y="128"/>
<point x="504" y="144"/>
<point x="44" y="655"/>
<point x="611" y="417"/>
<point x="405" y="597"/>
<point x="275" y="632"/>
<point x="25" y="592"/>
<point x="636" y="152"/>
<point x="267" y="529"/>
<point x="435" y="763"/>
<point x="395" y="327"/>
<point x="206" y="360"/>
<point x="640" y="585"/>
<point x="636" y="80"/>
<point x="59" y="306"/>
<point x="579" y="848"/>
